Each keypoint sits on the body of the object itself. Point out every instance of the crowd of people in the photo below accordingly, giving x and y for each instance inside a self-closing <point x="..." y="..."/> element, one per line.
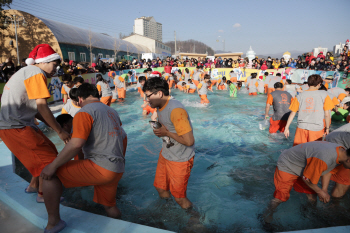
<point x="94" y="154"/>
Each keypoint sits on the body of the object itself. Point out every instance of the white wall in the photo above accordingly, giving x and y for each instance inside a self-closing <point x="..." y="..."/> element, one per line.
<point x="337" y="49"/>
<point x="138" y="26"/>
<point x="141" y="40"/>
<point x="316" y="51"/>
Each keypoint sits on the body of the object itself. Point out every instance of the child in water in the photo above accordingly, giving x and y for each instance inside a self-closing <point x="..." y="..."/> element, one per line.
<point x="233" y="88"/>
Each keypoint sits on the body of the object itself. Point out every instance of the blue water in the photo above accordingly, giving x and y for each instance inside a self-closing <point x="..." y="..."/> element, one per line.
<point x="232" y="179"/>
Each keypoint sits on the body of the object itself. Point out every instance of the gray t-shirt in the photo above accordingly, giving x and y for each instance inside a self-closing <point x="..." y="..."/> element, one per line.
<point x="71" y="108"/>
<point x="281" y="102"/>
<point x="178" y="152"/>
<point x="320" y="157"/>
<point x="204" y="88"/>
<point x="105" y="89"/>
<point x="252" y="85"/>
<point x="273" y="80"/>
<point x="339" y="137"/>
<point x="104" y="142"/>
<point x="18" y="101"/>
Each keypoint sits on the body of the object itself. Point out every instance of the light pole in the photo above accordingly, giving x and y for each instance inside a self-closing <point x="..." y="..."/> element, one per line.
<point x="223" y="43"/>
<point x="15" y="20"/>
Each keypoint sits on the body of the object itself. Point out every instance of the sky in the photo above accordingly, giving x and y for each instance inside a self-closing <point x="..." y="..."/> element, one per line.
<point x="269" y="26"/>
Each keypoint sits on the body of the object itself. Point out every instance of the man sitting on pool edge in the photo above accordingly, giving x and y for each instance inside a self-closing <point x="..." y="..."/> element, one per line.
<point x="174" y="163"/>
<point x="97" y="130"/>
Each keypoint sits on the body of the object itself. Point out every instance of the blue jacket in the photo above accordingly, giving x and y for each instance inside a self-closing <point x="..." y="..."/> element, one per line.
<point x="293" y="64"/>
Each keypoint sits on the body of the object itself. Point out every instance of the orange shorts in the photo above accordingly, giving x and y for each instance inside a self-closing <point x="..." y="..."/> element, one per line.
<point x="303" y="135"/>
<point x="139" y="90"/>
<point x="277" y="125"/>
<point x="179" y="87"/>
<point x="265" y="88"/>
<point x="204" y="99"/>
<point x="284" y="182"/>
<point x="86" y="173"/>
<point x="31" y="147"/>
<point x="233" y="79"/>
<point x="253" y="93"/>
<point x="173" y="176"/>
<point x="121" y="93"/>
<point x="341" y="175"/>
<point x="221" y="87"/>
<point x="269" y="90"/>
<point x="196" y="82"/>
<point x="106" y="100"/>
<point x="191" y="90"/>
<point x="149" y="109"/>
<point x="213" y="82"/>
<point x="113" y="100"/>
<point x="171" y="83"/>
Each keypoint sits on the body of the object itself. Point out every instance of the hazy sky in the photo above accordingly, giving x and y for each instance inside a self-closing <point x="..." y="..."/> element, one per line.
<point x="269" y="26"/>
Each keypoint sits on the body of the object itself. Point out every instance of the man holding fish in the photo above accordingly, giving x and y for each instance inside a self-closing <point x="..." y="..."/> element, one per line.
<point x="174" y="127"/>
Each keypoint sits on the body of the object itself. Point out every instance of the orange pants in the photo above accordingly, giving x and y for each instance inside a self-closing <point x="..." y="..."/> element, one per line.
<point x="106" y="100"/>
<point x="191" y="90"/>
<point x="86" y="173"/>
<point x="303" y="135"/>
<point x="195" y="82"/>
<point x="121" y="93"/>
<point x="269" y="90"/>
<point x="341" y="175"/>
<point x="204" y="99"/>
<point x="277" y="125"/>
<point x="139" y="90"/>
<point x="31" y="147"/>
<point x="173" y="176"/>
<point x="221" y="87"/>
<point x="148" y="109"/>
<point x="284" y="182"/>
<point x="171" y="83"/>
<point x="179" y="87"/>
<point x="253" y="93"/>
<point x="113" y="100"/>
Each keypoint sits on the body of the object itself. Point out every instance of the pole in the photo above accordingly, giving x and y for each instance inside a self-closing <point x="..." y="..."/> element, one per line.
<point x="224" y="44"/>
<point x="15" y="21"/>
<point x="175" y="42"/>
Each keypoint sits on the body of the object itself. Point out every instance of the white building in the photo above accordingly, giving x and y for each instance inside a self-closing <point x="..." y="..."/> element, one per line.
<point x="148" y="27"/>
<point x="337" y="49"/>
<point x="250" y="54"/>
<point x="316" y="51"/>
<point x="153" y="45"/>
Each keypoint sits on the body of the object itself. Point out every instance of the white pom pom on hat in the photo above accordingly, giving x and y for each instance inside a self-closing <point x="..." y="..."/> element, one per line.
<point x="156" y="74"/>
<point x="42" y="53"/>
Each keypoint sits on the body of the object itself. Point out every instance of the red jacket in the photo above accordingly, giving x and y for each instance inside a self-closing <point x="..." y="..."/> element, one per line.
<point x="167" y="69"/>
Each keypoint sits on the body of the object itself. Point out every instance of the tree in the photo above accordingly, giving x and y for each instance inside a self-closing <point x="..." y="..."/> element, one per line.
<point x="91" y="43"/>
<point x="3" y="4"/>
<point x="116" y="48"/>
<point x="190" y="46"/>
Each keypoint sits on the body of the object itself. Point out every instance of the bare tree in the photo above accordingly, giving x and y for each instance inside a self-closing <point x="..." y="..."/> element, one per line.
<point x="91" y="43"/>
<point x="116" y="48"/>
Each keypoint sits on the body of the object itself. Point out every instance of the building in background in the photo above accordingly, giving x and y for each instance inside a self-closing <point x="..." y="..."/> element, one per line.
<point x="152" y="45"/>
<point x="68" y="41"/>
<point x="316" y="51"/>
<point x="148" y="27"/>
<point x="337" y="49"/>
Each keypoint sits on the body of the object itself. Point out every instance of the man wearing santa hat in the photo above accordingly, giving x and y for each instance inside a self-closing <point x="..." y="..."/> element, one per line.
<point x="24" y="98"/>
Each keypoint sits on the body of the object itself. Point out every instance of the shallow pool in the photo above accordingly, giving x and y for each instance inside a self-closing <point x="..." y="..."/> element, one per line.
<point x="232" y="179"/>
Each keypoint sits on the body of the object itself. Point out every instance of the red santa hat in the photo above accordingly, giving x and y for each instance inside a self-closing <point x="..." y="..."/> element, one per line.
<point x="156" y="74"/>
<point x="42" y="53"/>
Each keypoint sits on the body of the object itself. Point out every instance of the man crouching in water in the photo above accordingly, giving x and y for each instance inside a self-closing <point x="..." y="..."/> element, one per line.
<point x="174" y="163"/>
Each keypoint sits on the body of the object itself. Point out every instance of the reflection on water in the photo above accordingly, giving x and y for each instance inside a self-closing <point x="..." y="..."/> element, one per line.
<point x="232" y="179"/>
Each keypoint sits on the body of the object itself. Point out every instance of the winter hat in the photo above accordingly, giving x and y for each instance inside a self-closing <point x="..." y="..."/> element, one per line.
<point x="93" y="65"/>
<point x="156" y="74"/>
<point x="70" y="62"/>
<point x="42" y="53"/>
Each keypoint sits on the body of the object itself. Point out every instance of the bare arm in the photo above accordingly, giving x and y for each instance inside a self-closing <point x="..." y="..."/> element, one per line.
<point x="322" y="195"/>
<point x="69" y="151"/>
<point x="290" y="119"/>
<point x="325" y="181"/>
<point x="65" y="97"/>
<point x="267" y="109"/>
<point x="327" y="118"/>
<point x="50" y="120"/>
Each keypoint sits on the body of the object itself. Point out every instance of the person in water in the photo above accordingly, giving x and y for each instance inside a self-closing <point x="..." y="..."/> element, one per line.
<point x="280" y="100"/>
<point x="174" y="162"/>
<point x="98" y="132"/>
<point x="202" y="89"/>
<point x="301" y="168"/>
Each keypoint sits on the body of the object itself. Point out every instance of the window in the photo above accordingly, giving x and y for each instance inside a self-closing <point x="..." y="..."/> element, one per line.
<point x="107" y="56"/>
<point x="100" y="55"/>
<point x="71" y="56"/>
<point x="93" y="57"/>
<point x="83" y="57"/>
